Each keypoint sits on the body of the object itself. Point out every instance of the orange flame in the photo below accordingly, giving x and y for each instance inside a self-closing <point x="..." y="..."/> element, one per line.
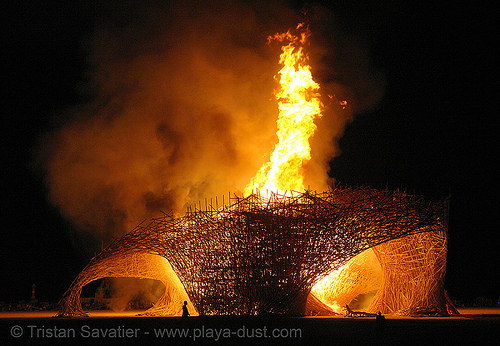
<point x="298" y="104"/>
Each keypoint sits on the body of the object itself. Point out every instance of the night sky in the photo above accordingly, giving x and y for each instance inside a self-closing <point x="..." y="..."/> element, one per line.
<point x="433" y="132"/>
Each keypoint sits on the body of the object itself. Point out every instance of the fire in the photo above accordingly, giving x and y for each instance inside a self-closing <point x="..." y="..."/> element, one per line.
<point x="298" y="104"/>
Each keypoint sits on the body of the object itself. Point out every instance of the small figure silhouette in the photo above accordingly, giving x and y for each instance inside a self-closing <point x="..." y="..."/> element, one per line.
<point x="380" y="321"/>
<point x="380" y="317"/>
<point x="185" y="312"/>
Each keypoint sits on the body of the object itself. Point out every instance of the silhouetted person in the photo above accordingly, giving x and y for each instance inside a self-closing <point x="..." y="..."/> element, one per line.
<point x="380" y="321"/>
<point x="380" y="317"/>
<point x="185" y="312"/>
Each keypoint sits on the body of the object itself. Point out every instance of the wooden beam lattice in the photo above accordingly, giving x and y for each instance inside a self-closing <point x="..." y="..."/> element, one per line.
<point x="262" y="254"/>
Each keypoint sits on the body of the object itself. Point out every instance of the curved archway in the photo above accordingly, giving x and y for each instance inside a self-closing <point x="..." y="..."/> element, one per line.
<point x="134" y="264"/>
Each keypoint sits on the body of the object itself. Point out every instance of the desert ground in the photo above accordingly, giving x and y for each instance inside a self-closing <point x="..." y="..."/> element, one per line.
<point x="473" y="326"/>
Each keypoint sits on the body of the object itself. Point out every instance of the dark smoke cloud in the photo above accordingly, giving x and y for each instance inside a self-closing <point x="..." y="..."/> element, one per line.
<point x="182" y="108"/>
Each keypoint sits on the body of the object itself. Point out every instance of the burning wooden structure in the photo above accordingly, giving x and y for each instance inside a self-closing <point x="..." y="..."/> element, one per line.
<point x="413" y="270"/>
<point x="262" y="255"/>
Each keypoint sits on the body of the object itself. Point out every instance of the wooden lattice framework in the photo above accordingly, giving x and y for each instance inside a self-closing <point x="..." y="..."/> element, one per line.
<point x="261" y="255"/>
<point x="407" y="275"/>
<point x="413" y="269"/>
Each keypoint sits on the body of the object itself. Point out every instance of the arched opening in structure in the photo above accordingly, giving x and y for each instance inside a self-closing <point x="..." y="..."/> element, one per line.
<point x="403" y="276"/>
<point x="355" y="283"/>
<point x="126" y="269"/>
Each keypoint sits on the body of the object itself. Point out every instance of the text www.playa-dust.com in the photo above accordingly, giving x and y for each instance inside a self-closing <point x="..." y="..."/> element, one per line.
<point x="226" y="333"/>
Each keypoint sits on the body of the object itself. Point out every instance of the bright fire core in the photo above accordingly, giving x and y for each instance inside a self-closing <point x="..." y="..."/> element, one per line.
<point x="298" y="104"/>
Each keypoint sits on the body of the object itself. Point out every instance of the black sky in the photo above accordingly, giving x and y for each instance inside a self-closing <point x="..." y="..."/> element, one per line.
<point x="433" y="133"/>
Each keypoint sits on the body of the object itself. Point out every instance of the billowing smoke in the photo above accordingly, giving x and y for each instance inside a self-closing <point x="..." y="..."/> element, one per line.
<point x="181" y="108"/>
<point x="123" y="291"/>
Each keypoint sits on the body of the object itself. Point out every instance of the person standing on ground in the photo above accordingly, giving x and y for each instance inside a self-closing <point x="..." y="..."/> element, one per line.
<point x="185" y="312"/>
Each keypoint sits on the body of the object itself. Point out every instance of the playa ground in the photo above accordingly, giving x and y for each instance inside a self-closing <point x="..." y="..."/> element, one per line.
<point x="473" y="326"/>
